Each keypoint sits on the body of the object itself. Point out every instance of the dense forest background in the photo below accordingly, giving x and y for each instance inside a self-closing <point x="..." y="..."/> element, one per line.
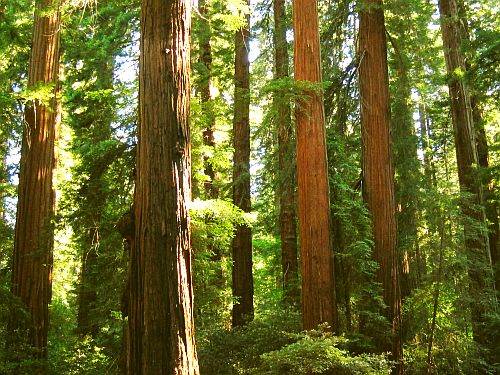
<point x="381" y="257"/>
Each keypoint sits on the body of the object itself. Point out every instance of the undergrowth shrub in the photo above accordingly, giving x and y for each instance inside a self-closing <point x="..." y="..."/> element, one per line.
<point x="275" y="345"/>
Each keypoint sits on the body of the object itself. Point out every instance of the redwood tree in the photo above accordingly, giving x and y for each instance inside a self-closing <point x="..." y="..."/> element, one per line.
<point x="378" y="172"/>
<point x="242" y="242"/>
<point x="34" y="240"/>
<point x="160" y="312"/>
<point x="476" y="241"/>
<point x="286" y="190"/>
<point x="318" y="289"/>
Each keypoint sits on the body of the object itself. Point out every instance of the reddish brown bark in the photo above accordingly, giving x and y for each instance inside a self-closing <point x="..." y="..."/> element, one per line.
<point x="286" y="189"/>
<point x="160" y="311"/>
<point x="476" y="241"/>
<point x="378" y="172"/>
<point x="33" y="243"/>
<point x="242" y="243"/>
<point x="318" y="289"/>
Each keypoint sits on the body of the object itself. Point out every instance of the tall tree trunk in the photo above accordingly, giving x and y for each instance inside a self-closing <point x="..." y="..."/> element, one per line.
<point x="95" y="125"/>
<point x="34" y="239"/>
<point x="437" y="281"/>
<point x="378" y="173"/>
<point x="242" y="243"/>
<point x="206" y="87"/>
<point x="160" y="311"/>
<point x="288" y="226"/>
<point x="488" y="184"/>
<point x="488" y="190"/>
<point x="407" y="168"/>
<point x="476" y="241"/>
<point x="318" y="284"/>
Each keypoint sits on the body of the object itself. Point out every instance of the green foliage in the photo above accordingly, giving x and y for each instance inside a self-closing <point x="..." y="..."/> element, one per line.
<point x="40" y="93"/>
<point x="83" y="357"/>
<point x="318" y="352"/>
<point x="267" y="274"/>
<point x="214" y="223"/>
<point x="272" y="344"/>
<point x="237" y="351"/>
<point x="233" y="16"/>
<point x="96" y="177"/>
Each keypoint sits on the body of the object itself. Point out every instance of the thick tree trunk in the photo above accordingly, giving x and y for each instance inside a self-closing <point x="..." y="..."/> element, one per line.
<point x="242" y="243"/>
<point x="160" y="311"/>
<point x="288" y="226"/>
<point x="33" y="244"/>
<point x="318" y="285"/>
<point x="378" y="173"/>
<point x="476" y="240"/>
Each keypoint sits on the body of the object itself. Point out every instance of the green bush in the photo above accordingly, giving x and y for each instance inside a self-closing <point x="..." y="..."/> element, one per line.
<point x="318" y="352"/>
<point x="274" y="345"/>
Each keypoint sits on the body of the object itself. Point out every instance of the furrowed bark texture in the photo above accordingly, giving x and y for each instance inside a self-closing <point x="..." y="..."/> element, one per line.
<point x="378" y="172"/>
<point x="286" y="190"/>
<point x="476" y="241"/>
<point x="242" y="243"/>
<point x="160" y="313"/>
<point x="34" y="240"/>
<point x="318" y="289"/>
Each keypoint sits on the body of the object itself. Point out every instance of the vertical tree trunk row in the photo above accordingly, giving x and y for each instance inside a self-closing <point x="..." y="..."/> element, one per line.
<point x="242" y="243"/>
<point x="33" y="244"/>
<point x="286" y="190"/>
<point x="160" y="328"/>
<point x="378" y="172"/>
<point x="318" y="286"/>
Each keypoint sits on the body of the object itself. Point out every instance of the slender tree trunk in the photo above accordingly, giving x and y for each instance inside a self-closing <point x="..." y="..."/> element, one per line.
<point x="33" y="243"/>
<point x="488" y="185"/>
<point x="407" y="168"/>
<point x="318" y="283"/>
<point x="242" y="242"/>
<point x="424" y="139"/>
<point x="87" y="293"/>
<point x="3" y="176"/>
<point x="437" y="281"/>
<point x="378" y="173"/>
<point x="206" y="87"/>
<point x="160" y="311"/>
<point x="288" y="226"/>
<point x="476" y="241"/>
<point x="93" y="194"/>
